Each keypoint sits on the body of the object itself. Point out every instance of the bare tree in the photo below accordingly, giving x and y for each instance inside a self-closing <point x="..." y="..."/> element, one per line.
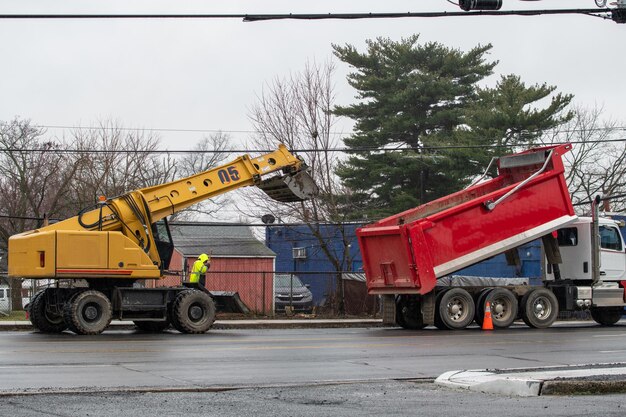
<point x="57" y="178"/>
<point x="210" y="152"/>
<point x="296" y="111"/>
<point x="597" y="163"/>
<point x="116" y="161"/>
<point x="35" y="176"/>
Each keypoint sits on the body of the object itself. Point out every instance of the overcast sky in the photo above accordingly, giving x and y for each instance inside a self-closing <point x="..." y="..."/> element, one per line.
<point x="205" y="74"/>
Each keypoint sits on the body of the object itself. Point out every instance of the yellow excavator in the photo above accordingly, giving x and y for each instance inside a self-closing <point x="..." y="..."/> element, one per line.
<point x="95" y="257"/>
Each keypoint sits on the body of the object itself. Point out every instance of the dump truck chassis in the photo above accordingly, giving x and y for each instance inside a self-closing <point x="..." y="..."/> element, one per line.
<point x="451" y="308"/>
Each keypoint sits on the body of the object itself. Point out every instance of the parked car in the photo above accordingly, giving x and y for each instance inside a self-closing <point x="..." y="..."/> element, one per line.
<point x="290" y="291"/>
<point x="5" y="300"/>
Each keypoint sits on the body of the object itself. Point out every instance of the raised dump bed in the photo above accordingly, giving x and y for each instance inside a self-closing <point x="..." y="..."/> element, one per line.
<point x="407" y="252"/>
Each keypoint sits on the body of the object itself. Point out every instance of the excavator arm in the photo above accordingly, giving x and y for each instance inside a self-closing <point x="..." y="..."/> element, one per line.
<point x="116" y="238"/>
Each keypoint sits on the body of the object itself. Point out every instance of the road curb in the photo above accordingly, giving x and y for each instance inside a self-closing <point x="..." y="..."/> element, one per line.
<point x="532" y="382"/>
<point x="235" y="324"/>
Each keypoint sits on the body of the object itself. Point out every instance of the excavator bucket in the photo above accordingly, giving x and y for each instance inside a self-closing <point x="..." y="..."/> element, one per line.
<point x="291" y="187"/>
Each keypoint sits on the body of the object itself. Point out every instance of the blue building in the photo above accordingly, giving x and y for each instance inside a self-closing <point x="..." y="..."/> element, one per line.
<point x="299" y="251"/>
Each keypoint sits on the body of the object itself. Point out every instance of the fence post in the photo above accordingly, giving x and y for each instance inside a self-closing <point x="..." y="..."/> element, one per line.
<point x="263" y="290"/>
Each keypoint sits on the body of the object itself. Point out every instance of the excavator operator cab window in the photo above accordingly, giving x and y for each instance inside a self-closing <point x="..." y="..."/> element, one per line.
<point x="163" y="239"/>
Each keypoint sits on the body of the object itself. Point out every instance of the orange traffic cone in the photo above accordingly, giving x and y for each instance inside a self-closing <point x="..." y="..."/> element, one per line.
<point x="487" y="322"/>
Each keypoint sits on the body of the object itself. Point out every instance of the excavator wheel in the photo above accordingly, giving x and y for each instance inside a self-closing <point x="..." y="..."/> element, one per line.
<point x="44" y="320"/>
<point x="88" y="312"/>
<point x="67" y="313"/>
<point x="29" y="309"/>
<point x="193" y="311"/>
<point x="156" y="326"/>
<point x="170" y="313"/>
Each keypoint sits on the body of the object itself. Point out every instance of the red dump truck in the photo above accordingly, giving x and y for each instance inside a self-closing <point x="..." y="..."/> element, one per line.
<point x="409" y="257"/>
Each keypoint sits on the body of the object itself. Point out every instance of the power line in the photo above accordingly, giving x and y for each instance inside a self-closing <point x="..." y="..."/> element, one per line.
<point x="299" y="150"/>
<point x="176" y="223"/>
<point x="182" y="130"/>
<point x="172" y="130"/>
<point x="310" y="16"/>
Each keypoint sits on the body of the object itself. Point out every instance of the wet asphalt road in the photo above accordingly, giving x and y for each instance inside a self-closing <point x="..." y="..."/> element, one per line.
<point x="260" y="358"/>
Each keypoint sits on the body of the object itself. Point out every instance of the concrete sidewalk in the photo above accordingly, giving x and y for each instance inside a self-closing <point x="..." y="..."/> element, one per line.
<point x="272" y="323"/>
<point x="529" y="382"/>
<point x="235" y="324"/>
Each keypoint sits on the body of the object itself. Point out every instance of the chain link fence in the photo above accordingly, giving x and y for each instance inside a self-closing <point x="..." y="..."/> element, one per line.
<point x="5" y="300"/>
<point x="264" y="293"/>
<point x="269" y="293"/>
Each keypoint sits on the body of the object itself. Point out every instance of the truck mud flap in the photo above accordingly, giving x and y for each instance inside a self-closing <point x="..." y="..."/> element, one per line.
<point x="290" y="188"/>
<point x="229" y="302"/>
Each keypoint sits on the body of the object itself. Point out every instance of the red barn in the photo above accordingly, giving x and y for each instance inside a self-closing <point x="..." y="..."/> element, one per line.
<point x="239" y="262"/>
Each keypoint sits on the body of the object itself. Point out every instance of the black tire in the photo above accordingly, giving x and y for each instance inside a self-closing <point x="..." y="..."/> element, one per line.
<point x="67" y="313"/>
<point x="456" y="308"/>
<point x="607" y="316"/>
<point x="152" y="326"/>
<point x="193" y="312"/>
<point x="88" y="312"/>
<point x="503" y="305"/>
<point x="42" y="318"/>
<point x="409" y="313"/>
<point x="170" y="313"/>
<point x="399" y="316"/>
<point x="539" y="308"/>
<point x="479" y="316"/>
<point x="29" y="309"/>
<point x="438" y="322"/>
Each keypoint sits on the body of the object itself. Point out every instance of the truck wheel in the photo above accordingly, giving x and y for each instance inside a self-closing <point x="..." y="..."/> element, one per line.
<point x="503" y="304"/>
<point x="606" y="316"/>
<point x="456" y="308"/>
<point x="88" y="312"/>
<point x="438" y="322"/>
<point x="539" y="308"/>
<point x="193" y="312"/>
<point x="409" y="313"/>
<point x="42" y="318"/>
<point x="152" y="326"/>
<point x="480" y="306"/>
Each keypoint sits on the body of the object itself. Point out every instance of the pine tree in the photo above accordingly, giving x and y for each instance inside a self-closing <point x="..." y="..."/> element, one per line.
<point x="424" y="100"/>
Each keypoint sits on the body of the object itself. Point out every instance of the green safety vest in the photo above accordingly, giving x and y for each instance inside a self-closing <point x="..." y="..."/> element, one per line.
<point x="198" y="268"/>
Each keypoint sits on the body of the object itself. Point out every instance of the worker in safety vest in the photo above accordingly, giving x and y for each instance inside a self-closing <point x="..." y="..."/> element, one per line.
<point x="199" y="268"/>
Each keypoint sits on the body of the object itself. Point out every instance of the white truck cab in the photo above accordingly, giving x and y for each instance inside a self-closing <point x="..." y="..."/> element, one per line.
<point x="576" y="248"/>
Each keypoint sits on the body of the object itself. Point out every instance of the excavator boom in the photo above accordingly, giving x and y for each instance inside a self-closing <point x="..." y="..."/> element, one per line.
<point x="116" y="239"/>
